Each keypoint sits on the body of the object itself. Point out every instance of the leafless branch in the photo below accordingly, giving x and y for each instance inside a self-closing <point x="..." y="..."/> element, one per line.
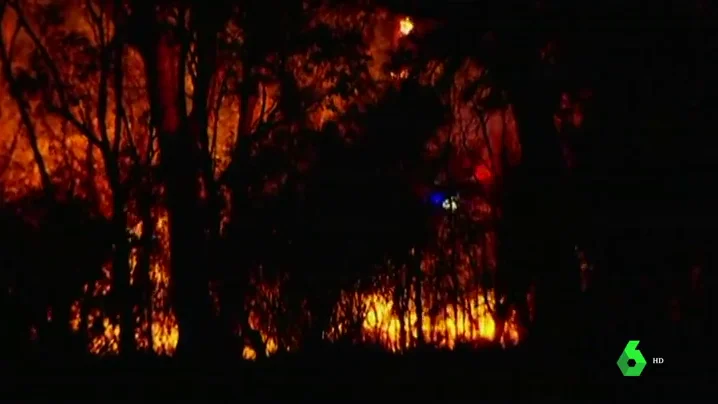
<point x="13" y="41"/>
<point x="24" y="110"/>
<point x="63" y="110"/>
<point x="218" y="105"/>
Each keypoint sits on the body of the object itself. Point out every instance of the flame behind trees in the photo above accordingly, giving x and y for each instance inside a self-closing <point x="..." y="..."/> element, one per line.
<point x="406" y="26"/>
<point x="190" y="142"/>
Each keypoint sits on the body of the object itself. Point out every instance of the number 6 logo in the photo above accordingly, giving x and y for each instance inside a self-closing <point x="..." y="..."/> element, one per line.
<point x="630" y="352"/>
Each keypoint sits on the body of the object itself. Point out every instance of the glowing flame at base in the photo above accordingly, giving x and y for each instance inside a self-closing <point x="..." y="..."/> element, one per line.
<point x="372" y="317"/>
<point x="467" y="322"/>
<point x="103" y="331"/>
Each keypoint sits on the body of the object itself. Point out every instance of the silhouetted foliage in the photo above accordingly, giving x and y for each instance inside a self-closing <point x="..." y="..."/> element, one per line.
<point x="242" y="167"/>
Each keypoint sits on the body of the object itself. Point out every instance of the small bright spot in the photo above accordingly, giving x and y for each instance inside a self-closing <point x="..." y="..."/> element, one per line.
<point x="451" y="203"/>
<point x="406" y="26"/>
<point x="482" y="173"/>
<point x="404" y="73"/>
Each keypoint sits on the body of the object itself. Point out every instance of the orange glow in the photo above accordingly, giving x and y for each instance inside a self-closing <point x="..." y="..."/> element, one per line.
<point x="443" y="324"/>
<point x="406" y="26"/>
<point x="164" y="327"/>
<point x="404" y="73"/>
<point x="467" y="323"/>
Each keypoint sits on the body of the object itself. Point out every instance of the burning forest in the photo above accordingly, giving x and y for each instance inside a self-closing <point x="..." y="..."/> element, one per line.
<point x="65" y="61"/>
<point x="266" y="177"/>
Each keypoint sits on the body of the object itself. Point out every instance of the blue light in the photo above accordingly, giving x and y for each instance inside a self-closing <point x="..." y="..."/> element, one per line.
<point x="437" y="198"/>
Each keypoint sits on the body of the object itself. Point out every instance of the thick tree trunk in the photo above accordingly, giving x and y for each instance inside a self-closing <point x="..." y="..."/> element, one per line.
<point x="181" y="174"/>
<point x="558" y="280"/>
<point x="188" y="245"/>
<point x="536" y="211"/>
<point x="144" y="261"/>
<point x="205" y="47"/>
<point x="235" y="280"/>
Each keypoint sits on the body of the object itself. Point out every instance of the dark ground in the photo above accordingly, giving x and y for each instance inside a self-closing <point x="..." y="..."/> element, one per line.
<point x="363" y="374"/>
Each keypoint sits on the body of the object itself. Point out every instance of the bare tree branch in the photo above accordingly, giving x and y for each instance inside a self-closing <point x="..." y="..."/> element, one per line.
<point x="24" y="110"/>
<point x="63" y="110"/>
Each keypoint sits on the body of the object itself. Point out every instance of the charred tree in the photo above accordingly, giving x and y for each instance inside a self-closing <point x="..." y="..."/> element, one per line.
<point x="180" y="138"/>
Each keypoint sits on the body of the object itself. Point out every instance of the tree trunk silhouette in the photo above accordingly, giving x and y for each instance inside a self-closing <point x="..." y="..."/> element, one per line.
<point x="535" y="211"/>
<point x="121" y="277"/>
<point x="164" y="61"/>
<point x="544" y="226"/>
<point x="418" y="277"/>
<point x="145" y="255"/>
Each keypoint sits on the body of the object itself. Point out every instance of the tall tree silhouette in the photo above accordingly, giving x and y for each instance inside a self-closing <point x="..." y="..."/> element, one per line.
<point x="183" y="145"/>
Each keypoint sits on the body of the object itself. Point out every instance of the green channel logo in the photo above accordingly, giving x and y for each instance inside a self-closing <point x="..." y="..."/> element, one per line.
<point x="630" y="352"/>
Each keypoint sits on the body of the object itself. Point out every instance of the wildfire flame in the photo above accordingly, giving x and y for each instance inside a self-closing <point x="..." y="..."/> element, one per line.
<point x="440" y="323"/>
<point x="161" y="325"/>
<point x="406" y="26"/>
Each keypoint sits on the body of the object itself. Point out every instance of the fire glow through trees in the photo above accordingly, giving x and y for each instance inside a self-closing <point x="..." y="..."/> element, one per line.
<point x="62" y="138"/>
